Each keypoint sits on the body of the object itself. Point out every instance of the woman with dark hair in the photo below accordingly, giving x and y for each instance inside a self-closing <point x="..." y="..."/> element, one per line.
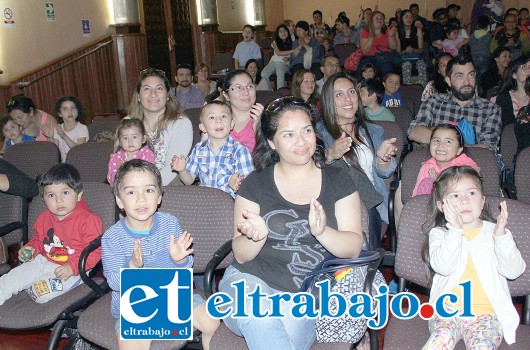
<point x="252" y="68"/>
<point x="438" y="85"/>
<point x="279" y="62"/>
<point x="513" y="96"/>
<point x="240" y="92"/>
<point x="495" y="75"/>
<point x="169" y="131"/>
<point x="410" y="45"/>
<point x="32" y="120"/>
<point x="354" y="142"/>
<point x="289" y="215"/>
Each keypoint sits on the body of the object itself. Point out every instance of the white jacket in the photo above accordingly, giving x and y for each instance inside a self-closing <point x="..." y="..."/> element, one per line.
<point x="496" y="259"/>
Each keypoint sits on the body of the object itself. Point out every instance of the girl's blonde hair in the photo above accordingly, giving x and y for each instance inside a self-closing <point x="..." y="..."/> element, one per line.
<point x="445" y="182"/>
<point x="127" y="123"/>
<point x="173" y="108"/>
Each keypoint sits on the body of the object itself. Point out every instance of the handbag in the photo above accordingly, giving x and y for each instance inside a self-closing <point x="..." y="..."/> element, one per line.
<point x="347" y="277"/>
<point x="353" y="60"/>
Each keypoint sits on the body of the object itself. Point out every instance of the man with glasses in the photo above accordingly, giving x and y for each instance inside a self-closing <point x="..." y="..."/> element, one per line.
<point x="189" y="95"/>
<point x="330" y="66"/>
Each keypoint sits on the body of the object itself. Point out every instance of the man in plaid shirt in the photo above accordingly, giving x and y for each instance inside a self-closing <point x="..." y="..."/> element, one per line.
<point x="462" y="104"/>
<point x="219" y="161"/>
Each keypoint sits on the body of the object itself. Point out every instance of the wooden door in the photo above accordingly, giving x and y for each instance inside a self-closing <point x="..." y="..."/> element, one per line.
<point x="169" y="34"/>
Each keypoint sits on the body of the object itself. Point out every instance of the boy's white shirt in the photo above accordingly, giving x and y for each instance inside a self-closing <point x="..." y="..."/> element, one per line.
<point x="448" y="253"/>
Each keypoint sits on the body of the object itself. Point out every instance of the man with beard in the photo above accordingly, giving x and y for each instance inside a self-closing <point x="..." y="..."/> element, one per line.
<point x="189" y="95"/>
<point x="461" y="106"/>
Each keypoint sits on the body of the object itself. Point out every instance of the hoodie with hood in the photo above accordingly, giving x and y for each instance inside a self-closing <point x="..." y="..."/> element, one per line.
<point x="62" y="241"/>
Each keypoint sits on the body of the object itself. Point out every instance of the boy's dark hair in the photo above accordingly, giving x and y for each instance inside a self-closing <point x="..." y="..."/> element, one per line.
<point x="522" y="9"/>
<point x="137" y="165"/>
<point x="414" y="5"/>
<point x="317" y="12"/>
<point x="63" y="173"/>
<point x="21" y="102"/>
<point x="368" y="66"/>
<point x="78" y="106"/>
<point x="392" y="72"/>
<point x="374" y="86"/>
<point x="215" y="102"/>
<point x="303" y="25"/>
<point x="4" y="120"/>
<point x="483" y="21"/>
<point x="246" y="26"/>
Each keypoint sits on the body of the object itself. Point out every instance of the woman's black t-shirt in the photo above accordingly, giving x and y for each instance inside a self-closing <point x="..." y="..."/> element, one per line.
<point x="290" y="250"/>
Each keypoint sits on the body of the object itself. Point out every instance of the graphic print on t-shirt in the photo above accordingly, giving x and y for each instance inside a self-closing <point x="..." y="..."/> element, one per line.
<point x="305" y="253"/>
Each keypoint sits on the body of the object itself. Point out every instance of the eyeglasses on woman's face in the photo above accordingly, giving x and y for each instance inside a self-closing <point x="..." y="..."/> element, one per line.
<point x="239" y="88"/>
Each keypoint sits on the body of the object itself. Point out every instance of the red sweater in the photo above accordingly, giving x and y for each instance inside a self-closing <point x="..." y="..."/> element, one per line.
<point x="62" y="241"/>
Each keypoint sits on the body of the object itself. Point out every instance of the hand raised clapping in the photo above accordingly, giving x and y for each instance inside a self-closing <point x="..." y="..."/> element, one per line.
<point x="253" y="227"/>
<point x="255" y="114"/>
<point x="317" y="218"/>
<point x="340" y="147"/>
<point x="178" y="163"/>
<point x="502" y="220"/>
<point x="235" y="181"/>
<point x="387" y="150"/>
<point x="137" y="258"/>
<point x="180" y="248"/>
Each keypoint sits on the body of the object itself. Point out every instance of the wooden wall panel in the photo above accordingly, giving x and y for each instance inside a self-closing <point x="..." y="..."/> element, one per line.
<point x="90" y="78"/>
<point x="130" y="52"/>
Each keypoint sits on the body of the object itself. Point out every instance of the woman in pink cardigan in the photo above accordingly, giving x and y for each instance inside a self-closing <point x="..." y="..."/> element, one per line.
<point x="446" y="147"/>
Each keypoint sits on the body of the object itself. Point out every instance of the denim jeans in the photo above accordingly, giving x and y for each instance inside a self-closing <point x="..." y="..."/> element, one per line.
<point x="266" y="333"/>
<point x="280" y="68"/>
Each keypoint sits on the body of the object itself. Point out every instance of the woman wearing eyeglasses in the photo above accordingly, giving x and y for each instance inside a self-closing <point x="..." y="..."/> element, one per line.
<point x="289" y="215"/>
<point x="32" y="120"/>
<point x="169" y="131"/>
<point x="357" y="145"/>
<point x="240" y="92"/>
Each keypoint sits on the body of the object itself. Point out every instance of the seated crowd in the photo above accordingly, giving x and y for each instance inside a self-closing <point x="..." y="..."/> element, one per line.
<point x="318" y="154"/>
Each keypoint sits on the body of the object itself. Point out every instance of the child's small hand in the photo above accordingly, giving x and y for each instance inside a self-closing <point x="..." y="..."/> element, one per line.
<point x="60" y="131"/>
<point x="178" y="163"/>
<point x="64" y="272"/>
<point x="180" y="248"/>
<point x="137" y="258"/>
<point x="235" y="181"/>
<point x="433" y="174"/>
<point x="502" y="220"/>
<point x="451" y="215"/>
<point x="24" y="256"/>
<point x="317" y="218"/>
<point x="253" y="227"/>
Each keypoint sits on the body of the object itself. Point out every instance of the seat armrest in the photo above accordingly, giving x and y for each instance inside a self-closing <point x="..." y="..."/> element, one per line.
<point x="95" y="244"/>
<point x="217" y="258"/>
<point x="394" y="185"/>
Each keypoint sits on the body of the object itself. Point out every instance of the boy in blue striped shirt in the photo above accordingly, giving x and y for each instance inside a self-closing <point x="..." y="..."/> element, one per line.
<point x="146" y="238"/>
<point x="219" y="161"/>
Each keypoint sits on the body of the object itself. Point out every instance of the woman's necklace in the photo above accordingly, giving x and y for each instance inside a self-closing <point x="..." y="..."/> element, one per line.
<point x="150" y="128"/>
